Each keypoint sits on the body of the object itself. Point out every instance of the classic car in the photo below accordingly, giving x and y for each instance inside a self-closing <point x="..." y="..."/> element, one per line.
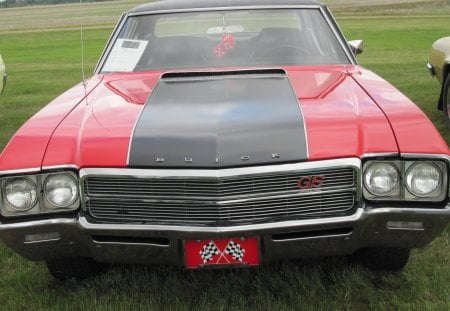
<point x="2" y="75"/>
<point x="225" y="134"/>
<point x="439" y="66"/>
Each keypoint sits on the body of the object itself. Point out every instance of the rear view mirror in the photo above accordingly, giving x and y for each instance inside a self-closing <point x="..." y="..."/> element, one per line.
<point x="357" y="46"/>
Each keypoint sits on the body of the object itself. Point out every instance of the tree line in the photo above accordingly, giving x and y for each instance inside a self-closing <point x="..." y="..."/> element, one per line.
<point x="15" y="3"/>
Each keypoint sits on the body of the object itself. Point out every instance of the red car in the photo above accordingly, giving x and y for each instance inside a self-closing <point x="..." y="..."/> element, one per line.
<point x="223" y="134"/>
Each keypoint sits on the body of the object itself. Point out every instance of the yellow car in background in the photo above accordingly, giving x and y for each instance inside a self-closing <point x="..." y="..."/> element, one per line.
<point x="439" y="66"/>
<point x="2" y="75"/>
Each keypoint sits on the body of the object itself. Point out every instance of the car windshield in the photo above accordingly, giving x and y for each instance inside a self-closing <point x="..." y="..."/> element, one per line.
<point x="237" y="38"/>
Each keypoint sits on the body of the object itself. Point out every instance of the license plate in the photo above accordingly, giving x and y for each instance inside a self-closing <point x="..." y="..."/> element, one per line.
<point x="236" y="251"/>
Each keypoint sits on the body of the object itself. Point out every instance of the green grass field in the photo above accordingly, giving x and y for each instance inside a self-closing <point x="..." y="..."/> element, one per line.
<point x="42" y="55"/>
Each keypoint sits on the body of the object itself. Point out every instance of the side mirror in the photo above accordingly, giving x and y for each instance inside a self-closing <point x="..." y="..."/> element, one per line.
<point x="2" y="75"/>
<point x="357" y="46"/>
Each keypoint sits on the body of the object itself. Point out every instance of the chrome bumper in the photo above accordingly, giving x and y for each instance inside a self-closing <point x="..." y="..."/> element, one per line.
<point x="380" y="227"/>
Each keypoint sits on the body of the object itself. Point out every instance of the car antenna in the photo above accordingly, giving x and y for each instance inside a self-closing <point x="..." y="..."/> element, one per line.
<point x="82" y="47"/>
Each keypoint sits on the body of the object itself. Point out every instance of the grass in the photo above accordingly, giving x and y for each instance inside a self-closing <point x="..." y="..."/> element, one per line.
<point x="41" y="64"/>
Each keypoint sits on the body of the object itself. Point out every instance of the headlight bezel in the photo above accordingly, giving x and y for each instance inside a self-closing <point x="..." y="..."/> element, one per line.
<point x="42" y="204"/>
<point x="405" y="194"/>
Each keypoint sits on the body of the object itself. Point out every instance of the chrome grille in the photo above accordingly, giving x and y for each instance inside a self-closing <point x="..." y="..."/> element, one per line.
<point x="221" y="201"/>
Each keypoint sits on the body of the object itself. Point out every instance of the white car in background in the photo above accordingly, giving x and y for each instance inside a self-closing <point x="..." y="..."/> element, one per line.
<point x="2" y="75"/>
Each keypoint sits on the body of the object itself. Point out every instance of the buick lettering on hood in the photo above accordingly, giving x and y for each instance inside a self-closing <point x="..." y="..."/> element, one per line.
<point x="224" y="134"/>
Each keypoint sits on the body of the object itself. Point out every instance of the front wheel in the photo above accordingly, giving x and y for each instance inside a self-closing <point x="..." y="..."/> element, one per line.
<point x="73" y="268"/>
<point x="446" y="100"/>
<point x="383" y="259"/>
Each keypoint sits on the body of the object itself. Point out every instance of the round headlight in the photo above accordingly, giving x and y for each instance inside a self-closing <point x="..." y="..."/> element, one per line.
<point x="381" y="178"/>
<point x="20" y="193"/>
<point x="61" y="190"/>
<point x="422" y="179"/>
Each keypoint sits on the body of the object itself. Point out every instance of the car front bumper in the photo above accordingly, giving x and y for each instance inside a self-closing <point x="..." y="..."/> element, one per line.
<point x="120" y="243"/>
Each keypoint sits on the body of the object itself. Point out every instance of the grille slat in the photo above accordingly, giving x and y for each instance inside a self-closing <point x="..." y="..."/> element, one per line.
<point x="219" y="201"/>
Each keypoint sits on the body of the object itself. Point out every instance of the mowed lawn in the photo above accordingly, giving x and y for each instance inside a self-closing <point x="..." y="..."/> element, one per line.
<point x="42" y="64"/>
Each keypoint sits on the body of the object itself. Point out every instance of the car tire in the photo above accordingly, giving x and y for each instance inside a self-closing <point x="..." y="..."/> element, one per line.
<point x="383" y="259"/>
<point x="73" y="268"/>
<point x="446" y="100"/>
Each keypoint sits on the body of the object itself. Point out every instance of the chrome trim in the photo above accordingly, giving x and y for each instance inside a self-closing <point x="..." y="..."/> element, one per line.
<point x="42" y="241"/>
<point x="325" y="236"/>
<point x="241" y="198"/>
<point x="379" y="155"/>
<point x="128" y="243"/>
<point x="85" y="224"/>
<point x="61" y="167"/>
<point x="339" y="34"/>
<point x="360" y="214"/>
<point x="225" y="200"/>
<point x="108" y="46"/>
<point x="38" y="223"/>
<point x="325" y="13"/>
<point x="428" y="156"/>
<point x="218" y="173"/>
<point x="368" y="230"/>
<point x="226" y="8"/>
<point x="21" y="171"/>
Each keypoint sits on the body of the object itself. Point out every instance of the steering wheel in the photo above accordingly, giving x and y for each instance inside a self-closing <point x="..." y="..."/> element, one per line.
<point x="284" y="50"/>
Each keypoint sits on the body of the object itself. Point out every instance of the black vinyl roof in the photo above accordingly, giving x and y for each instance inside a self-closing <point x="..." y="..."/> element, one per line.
<point x="196" y="4"/>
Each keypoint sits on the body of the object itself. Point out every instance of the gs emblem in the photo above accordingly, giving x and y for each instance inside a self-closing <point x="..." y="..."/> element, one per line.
<point x="308" y="182"/>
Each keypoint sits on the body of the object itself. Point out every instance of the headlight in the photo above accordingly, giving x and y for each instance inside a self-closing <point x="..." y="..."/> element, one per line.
<point x="405" y="180"/>
<point x="422" y="179"/>
<point x="61" y="190"/>
<point x="39" y="194"/>
<point x="381" y="178"/>
<point x="20" y="193"/>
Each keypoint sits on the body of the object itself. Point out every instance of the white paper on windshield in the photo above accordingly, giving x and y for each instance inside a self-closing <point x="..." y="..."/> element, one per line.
<point x="125" y="55"/>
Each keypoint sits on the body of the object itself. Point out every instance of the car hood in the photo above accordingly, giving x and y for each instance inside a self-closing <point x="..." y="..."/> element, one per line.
<point x="140" y="120"/>
<point x="318" y="113"/>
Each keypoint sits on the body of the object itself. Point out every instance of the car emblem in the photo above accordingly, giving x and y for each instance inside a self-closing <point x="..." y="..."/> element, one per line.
<point x="276" y="156"/>
<point x="188" y="160"/>
<point x="308" y="182"/>
<point x="159" y="160"/>
<point x="245" y="158"/>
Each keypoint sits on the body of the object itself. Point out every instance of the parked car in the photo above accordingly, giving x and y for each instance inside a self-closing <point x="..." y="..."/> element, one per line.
<point x="2" y="75"/>
<point x="223" y="134"/>
<point x="439" y="66"/>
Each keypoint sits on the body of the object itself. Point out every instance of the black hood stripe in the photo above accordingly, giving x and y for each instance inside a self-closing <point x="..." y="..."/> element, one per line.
<point x="219" y="119"/>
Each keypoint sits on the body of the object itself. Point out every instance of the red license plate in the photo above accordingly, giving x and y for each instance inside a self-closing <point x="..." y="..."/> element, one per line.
<point x="236" y="251"/>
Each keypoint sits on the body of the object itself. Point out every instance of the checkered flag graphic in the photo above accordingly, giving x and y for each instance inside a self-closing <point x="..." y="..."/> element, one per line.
<point x="235" y="250"/>
<point x="209" y="251"/>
